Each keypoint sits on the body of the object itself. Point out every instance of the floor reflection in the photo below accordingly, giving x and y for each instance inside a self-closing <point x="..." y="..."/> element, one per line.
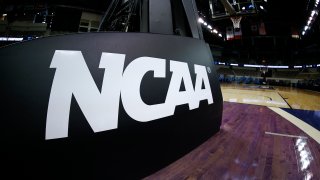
<point x="304" y="157"/>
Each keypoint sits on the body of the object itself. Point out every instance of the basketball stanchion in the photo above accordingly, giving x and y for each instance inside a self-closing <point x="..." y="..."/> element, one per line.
<point x="264" y="70"/>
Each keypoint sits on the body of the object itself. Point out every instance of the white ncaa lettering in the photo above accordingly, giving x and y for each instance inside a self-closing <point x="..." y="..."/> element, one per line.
<point x="73" y="78"/>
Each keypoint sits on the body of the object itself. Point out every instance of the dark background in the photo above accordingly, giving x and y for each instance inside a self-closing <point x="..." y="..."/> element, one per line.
<point x="281" y="18"/>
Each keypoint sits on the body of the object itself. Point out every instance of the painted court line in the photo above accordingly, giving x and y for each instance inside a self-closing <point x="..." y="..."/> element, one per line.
<point x="285" y="100"/>
<point x="286" y="135"/>
<point x="312" y="132"/>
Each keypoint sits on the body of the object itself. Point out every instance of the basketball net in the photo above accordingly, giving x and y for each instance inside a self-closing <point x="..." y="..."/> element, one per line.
<point x="236" y="21"/>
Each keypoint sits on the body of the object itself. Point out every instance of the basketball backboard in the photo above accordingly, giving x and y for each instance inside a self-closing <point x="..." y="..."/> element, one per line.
<point x="221" y="9"/>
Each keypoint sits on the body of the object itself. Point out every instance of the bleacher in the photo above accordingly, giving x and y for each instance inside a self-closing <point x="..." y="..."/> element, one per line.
<point x="285" y="73"/>
<point x="225" y="70"/>
<point x="245" y="71"/>
<point x="307" y="78"/>
<point x="309" y="74"/>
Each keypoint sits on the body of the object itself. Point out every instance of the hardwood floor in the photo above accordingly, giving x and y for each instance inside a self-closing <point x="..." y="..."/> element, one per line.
<point x="283" y="97"/>
<point x="300" y="99"/>
<point x="264" y="98"/>
<point x="254" y="143"/>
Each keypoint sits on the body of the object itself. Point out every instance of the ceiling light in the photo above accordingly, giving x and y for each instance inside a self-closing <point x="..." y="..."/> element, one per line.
<point x="210" y="27"/>
<point x="295" y="36"/>
<point x="303" y="32"/>
<point x="200" y="20"/>
<point x="4" y="15"/>
<point x="261" y="7"/>
<point x="14" y="39"/>
<point x="205" y="23"/>
<point x="215" y="31"/>
<point x="306" y="27"/>
<point x="220" y="34"/>
<point x="243" y="8"/>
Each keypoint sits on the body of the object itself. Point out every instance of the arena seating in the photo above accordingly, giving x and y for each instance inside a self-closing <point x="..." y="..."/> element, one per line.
<point x="306" y="78"/>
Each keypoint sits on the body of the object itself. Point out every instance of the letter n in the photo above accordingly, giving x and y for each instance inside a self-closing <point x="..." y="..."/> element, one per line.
<point x="72" y="77"/>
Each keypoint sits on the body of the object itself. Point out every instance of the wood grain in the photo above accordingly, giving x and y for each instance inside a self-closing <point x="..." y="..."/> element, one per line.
<point x="242" y="150"/>
<point x="283" y="97"/>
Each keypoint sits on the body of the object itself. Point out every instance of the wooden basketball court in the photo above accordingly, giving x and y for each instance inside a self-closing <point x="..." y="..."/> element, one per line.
<point x="257" y="140"/>
<point x="284" y="97"/>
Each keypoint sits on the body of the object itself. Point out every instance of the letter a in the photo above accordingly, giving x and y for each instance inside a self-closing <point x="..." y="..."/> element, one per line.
<point x="202" y="76"/>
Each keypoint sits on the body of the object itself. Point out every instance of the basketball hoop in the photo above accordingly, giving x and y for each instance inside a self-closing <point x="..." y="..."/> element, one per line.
<point x="236" y="21"/>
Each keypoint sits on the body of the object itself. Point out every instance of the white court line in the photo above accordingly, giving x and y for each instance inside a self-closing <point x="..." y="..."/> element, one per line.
<point x="311" y="131"/>
<point x="286" y="135"/>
